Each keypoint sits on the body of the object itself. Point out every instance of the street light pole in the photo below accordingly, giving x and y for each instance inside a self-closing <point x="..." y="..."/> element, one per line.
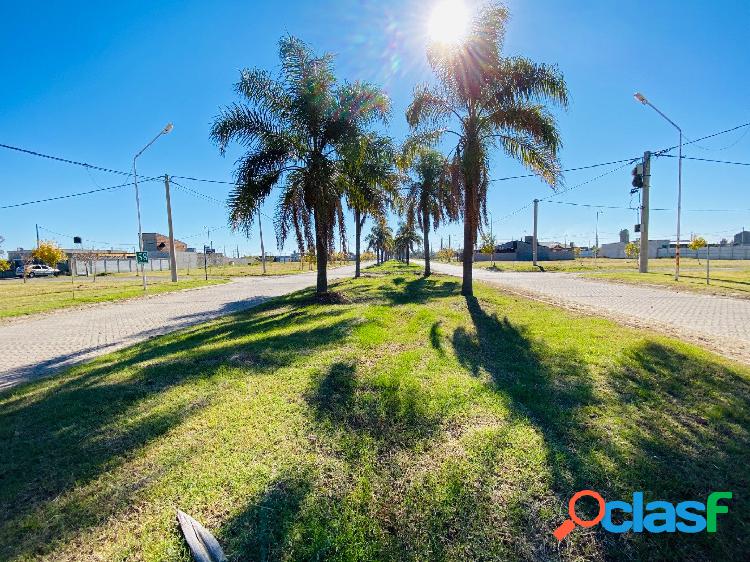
<point x="641" y="98"/>
<point x="164" y="131"/>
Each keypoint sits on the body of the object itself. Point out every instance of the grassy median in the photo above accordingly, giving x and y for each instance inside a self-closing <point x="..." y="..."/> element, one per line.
<point x="727" y="277"/>
<point x="407" y="423"/>
<point x="723" y="281"/>
<point x="43" y="295"/>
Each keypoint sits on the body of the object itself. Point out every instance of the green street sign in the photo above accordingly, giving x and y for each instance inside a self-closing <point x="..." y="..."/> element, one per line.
<point x="141" y="257"/>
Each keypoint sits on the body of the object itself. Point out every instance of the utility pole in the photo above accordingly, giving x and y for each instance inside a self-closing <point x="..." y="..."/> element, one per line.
<point x="641" y="98"/>
<point x="205" y="254"/>
<point x="37" y="235"/>
<point x="262" y="248"/>
<point x="492" y="239"/>
<point x="534" y="245"/>
<point x="643" y="265"/>
<point x="172" y="255"/>
<point x="596" y="243"/>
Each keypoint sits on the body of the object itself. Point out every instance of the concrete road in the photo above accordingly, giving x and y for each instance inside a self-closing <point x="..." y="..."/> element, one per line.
<point x="721" y="323"/>
<point x="42" y="344"/>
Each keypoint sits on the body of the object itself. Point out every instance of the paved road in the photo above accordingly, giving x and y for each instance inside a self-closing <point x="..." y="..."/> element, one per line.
<point x="42" y="344"/>
<point x="722" y="322"/>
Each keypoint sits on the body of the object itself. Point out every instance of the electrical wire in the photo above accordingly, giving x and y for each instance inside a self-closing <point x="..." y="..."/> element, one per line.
<point x="79" y="194"/>
<point x="121" y="245"/>
<point x="662" y="152"/>
<point x="712" y="135"/>
<point x="65" y="160"/>
<point x="629" y="160"/>
<point x="197" y="193"/>
<point x="705" y="160"/>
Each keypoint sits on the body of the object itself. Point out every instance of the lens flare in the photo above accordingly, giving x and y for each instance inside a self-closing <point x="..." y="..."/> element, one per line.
<point x="449" y="22"/>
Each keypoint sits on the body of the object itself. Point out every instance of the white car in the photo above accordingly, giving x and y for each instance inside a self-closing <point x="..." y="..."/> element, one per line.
<point x="36" y="270"/>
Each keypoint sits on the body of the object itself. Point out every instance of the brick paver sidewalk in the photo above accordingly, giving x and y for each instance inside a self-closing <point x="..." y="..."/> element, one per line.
<point x="721" y="322"/>
<point x="42" y="344"/>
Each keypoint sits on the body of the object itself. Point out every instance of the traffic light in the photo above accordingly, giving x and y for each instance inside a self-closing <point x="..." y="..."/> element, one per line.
<point x="638" y="176"/>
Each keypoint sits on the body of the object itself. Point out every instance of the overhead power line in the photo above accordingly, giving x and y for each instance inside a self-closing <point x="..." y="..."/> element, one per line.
<point x="79" y="194"/>
<point x="119" y="244"/>
<point x="706" y="160"/>
<point x="65" y="160"/>
<point x="197" y="193"/>
<point x="725" y="131"/>
<point x="89" y="166"/>
<point x="571" y="169"/>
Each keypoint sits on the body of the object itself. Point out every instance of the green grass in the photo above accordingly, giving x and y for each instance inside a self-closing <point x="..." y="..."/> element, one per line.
<point x="42" y="295"/>
<point x="740" y="268"/>
<point x="731" y="282"/>
<point x="408" y="424"/>
<point x="728" y="277"/>
<point x="242" y="269"/>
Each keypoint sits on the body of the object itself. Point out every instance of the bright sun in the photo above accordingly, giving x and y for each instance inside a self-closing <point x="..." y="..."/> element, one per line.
<point x="449" y="22"/>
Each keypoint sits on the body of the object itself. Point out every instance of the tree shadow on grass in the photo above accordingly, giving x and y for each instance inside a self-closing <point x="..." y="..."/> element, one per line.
<point x="417" y="290"/>
<point x="688" y="434"/>
<point x="60" y="435"/>
<point x="670" y="423"/>
<point x="261" y="531"/>
<point x="388" y="412"/>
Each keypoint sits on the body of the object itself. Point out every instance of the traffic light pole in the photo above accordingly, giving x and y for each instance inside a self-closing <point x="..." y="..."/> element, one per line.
<point x="643" y="264"/>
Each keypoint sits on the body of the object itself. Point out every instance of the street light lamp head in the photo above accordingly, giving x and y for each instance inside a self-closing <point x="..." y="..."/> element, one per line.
<point x="168" y="128"/>
<point x="640" y="97"/>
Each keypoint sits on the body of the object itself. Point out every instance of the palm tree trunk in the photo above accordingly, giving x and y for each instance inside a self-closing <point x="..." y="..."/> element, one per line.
<point x="467" y="288"/>
<point x="425" y="233"/>
<point x="358" y="233"/>
<point x="471" y="211"/>
<point x="321" y="249"/>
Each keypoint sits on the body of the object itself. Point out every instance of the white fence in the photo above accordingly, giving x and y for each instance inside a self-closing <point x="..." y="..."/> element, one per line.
<point x="716" y="253"/>
<point x="185" y="260"/>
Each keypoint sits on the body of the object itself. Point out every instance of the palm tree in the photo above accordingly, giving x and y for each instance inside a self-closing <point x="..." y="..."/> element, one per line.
<point x="405" y="239"/>
<point x="380" y="240"/>
<point x="294" y="128"/>
<point x="369" y="182"/>
<point x="430" y="196"/>
<point x="488" y="101"/>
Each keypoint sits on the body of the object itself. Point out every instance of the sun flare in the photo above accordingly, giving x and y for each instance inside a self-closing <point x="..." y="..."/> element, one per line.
<point x="449" y="22"/>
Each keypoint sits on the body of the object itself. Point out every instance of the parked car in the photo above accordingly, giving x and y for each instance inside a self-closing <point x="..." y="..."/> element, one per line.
<point x="36" y="270"/>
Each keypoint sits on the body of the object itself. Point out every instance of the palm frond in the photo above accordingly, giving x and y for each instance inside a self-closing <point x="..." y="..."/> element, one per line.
<point x="428" y="108"/>
<point x="539" y="157"/>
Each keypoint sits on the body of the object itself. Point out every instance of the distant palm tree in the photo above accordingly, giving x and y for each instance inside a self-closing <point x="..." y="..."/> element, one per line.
<point x="405" y="240"/>
<point x="380" y="240"/>
<point x="430" y="196"/>
<point x="488" y="101"/>
<point x="294" y="128"/>
<point x="369" y="181"/>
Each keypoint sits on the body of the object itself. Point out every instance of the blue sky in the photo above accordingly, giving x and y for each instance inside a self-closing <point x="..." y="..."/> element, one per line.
<point x="96" y="81"/>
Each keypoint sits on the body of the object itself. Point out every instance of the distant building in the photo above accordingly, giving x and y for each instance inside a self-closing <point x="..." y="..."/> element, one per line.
<point x="155" y="242"/>
<point x="625" y="236"/>
<point x="742" y="238"/>
<point x="521" y="250"/>
<point x="616" y="250"/>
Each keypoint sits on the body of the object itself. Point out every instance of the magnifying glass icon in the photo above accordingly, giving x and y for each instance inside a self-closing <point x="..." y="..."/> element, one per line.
<point x="569" y="524"/>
